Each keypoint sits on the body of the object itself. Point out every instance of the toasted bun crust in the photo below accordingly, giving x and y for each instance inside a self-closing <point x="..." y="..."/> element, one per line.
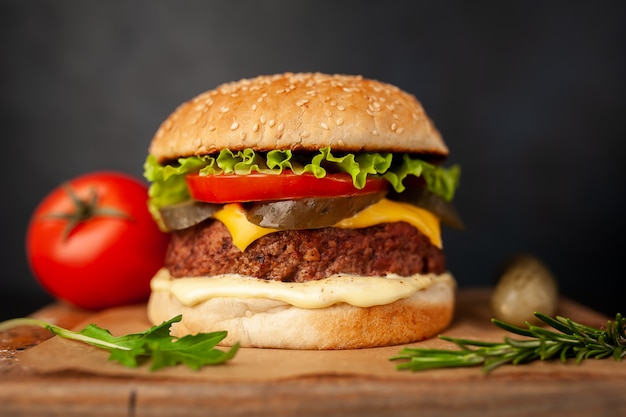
<point x="264" y="323"/>
<point x="304" y="111"/>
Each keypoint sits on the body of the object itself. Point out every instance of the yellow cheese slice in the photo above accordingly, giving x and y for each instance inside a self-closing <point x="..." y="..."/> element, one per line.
<point x="384" y="211"/>
<point x="243" y="232"/>
<point x="388" y="211"/>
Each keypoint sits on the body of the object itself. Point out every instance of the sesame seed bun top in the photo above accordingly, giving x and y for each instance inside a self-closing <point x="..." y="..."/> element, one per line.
<point x="302" y="111"/>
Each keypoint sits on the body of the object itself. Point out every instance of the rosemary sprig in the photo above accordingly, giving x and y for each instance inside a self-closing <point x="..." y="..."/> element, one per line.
<point x="570" y="340"/>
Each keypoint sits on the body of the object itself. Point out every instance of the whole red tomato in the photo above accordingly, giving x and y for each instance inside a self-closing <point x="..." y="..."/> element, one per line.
<point x="93" y="243"/>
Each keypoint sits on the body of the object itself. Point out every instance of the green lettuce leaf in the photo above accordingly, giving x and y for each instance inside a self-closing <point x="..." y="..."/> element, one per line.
<point x="168" y="184"/>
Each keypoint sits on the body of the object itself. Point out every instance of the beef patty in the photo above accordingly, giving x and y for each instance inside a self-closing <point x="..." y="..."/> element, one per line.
<point x="304" y="255"/>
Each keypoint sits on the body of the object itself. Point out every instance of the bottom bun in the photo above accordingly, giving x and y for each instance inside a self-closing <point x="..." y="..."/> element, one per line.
<point x="266" y="323"/>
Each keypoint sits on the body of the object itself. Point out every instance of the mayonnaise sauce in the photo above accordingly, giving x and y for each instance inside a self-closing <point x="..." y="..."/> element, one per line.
<point x="358" y="291"/>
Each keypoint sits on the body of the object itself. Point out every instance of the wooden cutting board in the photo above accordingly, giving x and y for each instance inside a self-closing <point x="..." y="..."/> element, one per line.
<point x="60" y="377"/>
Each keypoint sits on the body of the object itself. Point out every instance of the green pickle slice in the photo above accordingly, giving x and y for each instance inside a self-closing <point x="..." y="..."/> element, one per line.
<point x="186" y="214"/>
<point x="308" y="213"/>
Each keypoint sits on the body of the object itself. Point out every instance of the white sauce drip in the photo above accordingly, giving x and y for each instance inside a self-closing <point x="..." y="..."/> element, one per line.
<point x="358" y="291"/>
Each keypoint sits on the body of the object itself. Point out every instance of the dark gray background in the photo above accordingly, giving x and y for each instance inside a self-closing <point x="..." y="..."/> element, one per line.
<point x="528" y="95"/>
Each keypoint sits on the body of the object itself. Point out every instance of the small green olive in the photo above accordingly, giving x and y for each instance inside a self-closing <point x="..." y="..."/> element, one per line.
<point x="525" y="286"/>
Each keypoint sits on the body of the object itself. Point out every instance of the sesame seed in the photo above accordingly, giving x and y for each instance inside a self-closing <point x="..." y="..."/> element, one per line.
<point x="394" y="126"/>
<point x="340" y="142"/>
<point x="211" y="128"/>
<point x="254" y="107"/>
<point x="272" y="122"/>
<point x="324" y="125"/>
<point x="399" y="130"/>
<point x="259" y="100"/>
<point x="375" y="132"/>
<point x="281" y="127"/>
<point x="302" y="102"/>
<point x="305" y="135"/>
<point x="395" y="116"/>
<point x="339" y="122"/>
<point x="328" y="113"/>
<point x="255" y="128"/>
<point x="263" y="119"/>
<point x="224" y="109"/>
<point x="341" y="107"/>
<point x="242" y="134"/>
<point x="234" y="126"/>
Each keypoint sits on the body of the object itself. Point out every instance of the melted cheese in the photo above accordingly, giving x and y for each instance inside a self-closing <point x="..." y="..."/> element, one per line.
<point x="242" y="231"/>
<point x="384" y="211"/>
<point x="387" y="211"/>
<point x="355" y="290"/>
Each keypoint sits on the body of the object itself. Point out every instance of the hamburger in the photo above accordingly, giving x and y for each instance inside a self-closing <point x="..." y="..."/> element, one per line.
<point x="305" y="212"/>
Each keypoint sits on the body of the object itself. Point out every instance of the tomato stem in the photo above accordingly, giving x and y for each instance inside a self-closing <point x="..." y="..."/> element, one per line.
<point x="84" y="210"/>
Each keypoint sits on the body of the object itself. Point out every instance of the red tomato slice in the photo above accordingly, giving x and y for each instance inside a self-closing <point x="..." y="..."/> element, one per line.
<point x="232" y="188"/>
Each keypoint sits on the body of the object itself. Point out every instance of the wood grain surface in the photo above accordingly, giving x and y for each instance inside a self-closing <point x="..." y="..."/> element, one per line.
<point x="35" y="380"/>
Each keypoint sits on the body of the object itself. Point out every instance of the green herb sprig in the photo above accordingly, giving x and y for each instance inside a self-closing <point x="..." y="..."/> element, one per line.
<point x="570" y="340"/>
<point x="156" y="343"/>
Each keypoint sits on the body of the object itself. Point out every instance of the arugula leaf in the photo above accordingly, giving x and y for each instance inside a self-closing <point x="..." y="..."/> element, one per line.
<point x="156" y="343"/>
